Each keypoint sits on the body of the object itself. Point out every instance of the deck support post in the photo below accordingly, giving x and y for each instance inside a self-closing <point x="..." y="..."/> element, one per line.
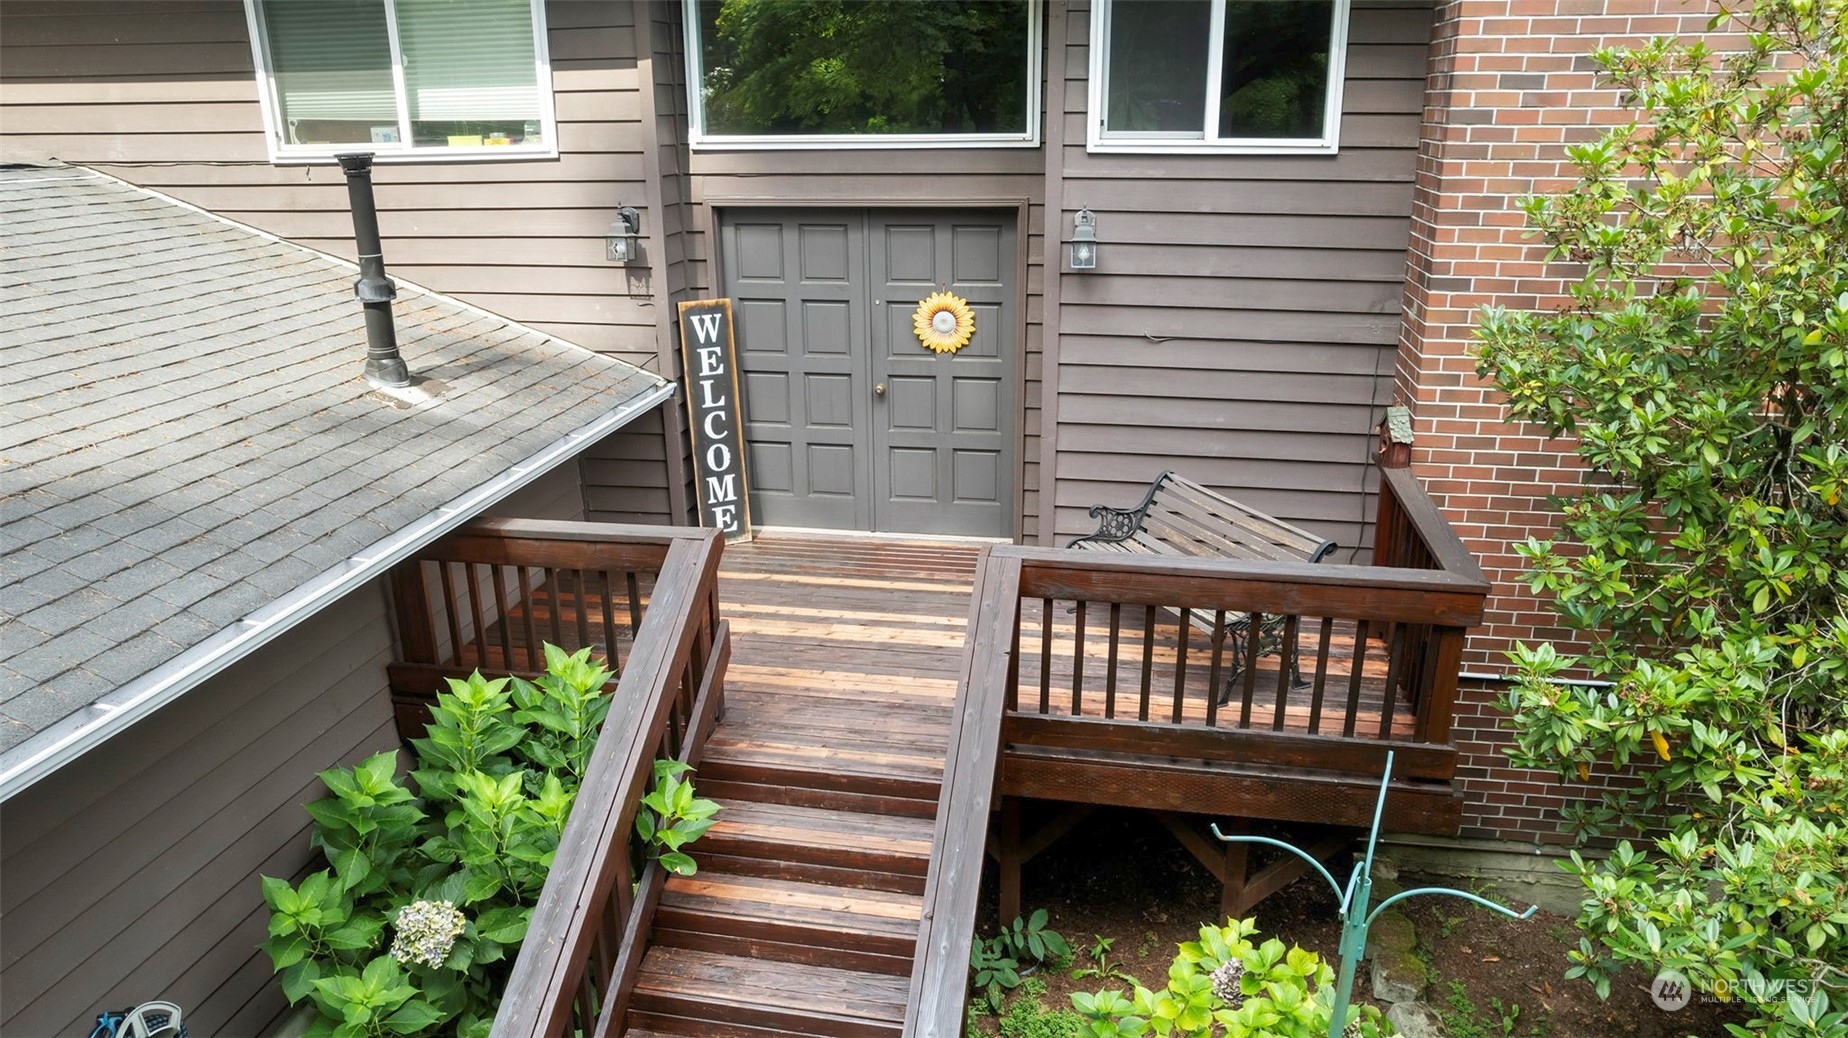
<point x="1010" y="859"/>
<point x="1233" y="872"/>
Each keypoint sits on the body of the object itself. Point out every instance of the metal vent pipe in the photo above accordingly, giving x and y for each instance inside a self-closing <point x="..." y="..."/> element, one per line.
<point x="384" y="365"/>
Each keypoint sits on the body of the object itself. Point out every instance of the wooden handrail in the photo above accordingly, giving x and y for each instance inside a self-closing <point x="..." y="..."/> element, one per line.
<point x="664" y="704"/>
<point x="940" y="968"/>
<point x="1403" y="595"/>
<point x="1412" y="533"/>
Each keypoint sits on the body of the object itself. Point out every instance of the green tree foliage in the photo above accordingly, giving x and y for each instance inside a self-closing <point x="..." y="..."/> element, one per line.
<point x="853" y="66"/>
<point x="1700" y="375"/>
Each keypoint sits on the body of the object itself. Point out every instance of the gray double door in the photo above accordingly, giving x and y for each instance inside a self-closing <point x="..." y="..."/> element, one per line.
<point x="850" y="422"/>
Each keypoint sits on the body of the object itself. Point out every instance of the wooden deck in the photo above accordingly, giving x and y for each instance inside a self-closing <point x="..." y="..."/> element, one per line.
<point x="872" y="714"/>
<point x="804" y="914"/>
<point x="829" y="759"/>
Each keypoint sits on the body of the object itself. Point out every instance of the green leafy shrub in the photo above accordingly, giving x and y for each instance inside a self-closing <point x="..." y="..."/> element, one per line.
<point x="414" y="928"/>
<point x="1101" y="968"/>
<point x="1030" y="940"/>
<point x="1702" y="376"/>
<point x="997" y="964"/>
<point x="992" y="972"/>
<point x="1027" y="1016"/>
<point x="1225" y="984"/>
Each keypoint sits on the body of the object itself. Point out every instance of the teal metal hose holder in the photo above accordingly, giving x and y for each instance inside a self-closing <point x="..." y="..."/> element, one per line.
<point x="1356" y="918"/>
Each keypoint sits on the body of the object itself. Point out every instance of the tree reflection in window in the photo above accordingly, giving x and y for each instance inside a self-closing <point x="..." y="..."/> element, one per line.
<point x="1274" y="80"/>
<point x="858" y="67"/>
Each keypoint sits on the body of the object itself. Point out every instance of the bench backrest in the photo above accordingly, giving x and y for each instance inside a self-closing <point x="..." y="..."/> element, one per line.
<point x="1188" y="519"/>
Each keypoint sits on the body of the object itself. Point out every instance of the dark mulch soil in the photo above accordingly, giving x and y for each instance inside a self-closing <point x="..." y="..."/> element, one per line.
<point x="1120" y="875"/>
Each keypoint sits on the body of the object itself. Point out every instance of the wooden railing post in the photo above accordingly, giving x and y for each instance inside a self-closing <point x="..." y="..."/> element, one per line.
<point x="1385" y="525"/>
<point x="411" y="596"/>
<point x="1446" y="662"/>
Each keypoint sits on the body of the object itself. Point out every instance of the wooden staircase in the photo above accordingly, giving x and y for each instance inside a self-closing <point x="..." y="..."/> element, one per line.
<point x="803" y="918"/>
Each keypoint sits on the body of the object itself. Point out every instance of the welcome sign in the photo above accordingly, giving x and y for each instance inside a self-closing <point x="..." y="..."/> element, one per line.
<point x="710" y="356"/>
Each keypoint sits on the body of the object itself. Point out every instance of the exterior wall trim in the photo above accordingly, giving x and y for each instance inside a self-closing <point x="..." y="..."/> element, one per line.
<point x="673" y="417"/>
<point x="1052" y="274"/>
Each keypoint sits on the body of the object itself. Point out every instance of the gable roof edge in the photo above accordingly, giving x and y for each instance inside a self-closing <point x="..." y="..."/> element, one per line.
<point x="57" y="745"/>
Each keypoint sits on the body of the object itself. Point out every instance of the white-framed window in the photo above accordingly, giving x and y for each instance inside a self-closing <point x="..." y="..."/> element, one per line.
<point x="431" y="79"/>
<point x="765" y="74"/>
<point x="1216" y="76"/>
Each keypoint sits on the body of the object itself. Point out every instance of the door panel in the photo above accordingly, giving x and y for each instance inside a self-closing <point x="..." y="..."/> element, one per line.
<point x="965" y="443"/>
<point x="824" y="301"/>
<point x="791" y="277"/>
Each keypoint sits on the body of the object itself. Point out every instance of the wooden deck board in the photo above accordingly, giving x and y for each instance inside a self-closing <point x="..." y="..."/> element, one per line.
<point x="837" y="718"/>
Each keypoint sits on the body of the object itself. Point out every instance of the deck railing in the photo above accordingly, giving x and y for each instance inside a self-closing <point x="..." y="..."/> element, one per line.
<point x="1087" y="678"/>
<point x="581" y="951"/>
<point x="490" y="595"/>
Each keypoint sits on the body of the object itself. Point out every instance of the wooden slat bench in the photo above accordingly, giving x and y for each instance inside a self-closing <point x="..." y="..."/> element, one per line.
<point x="1181" y="518"/>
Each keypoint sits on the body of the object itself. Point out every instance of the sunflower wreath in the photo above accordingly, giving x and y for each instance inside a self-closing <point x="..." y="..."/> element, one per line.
<point x="943" y="322"/>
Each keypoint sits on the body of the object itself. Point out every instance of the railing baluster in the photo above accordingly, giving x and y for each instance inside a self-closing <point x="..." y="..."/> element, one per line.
<point x="1148" y="659"/>
<point x="1286" y="676"/>
<point x="503" y="621"/>
<point x="582" y="611"/>
<point x="1358" y="673"/>
<point x="472" y="587"/>
<point x="1321" y="675"/>
<point x="1254" y="632"/>
<point x="635" y="603"/>
<point x="1110" y="666"/>
<point x="1013" y="664"/>
<point x="1180" y="663"/>
<point x="1078" y="663"/>
<point x="449" y="611"/>
<point x="553" y="591"/>
<point x="609" y="618"/>
<point x="1395" y="664"/>
<point x="535" y="656"/>
<point x="1212" y="677"/>
<point x="1046" y="608"/>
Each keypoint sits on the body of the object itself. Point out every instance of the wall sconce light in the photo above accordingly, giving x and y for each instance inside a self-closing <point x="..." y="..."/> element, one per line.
<point x="623" y="243"/>
<point x="1084" y="240"/>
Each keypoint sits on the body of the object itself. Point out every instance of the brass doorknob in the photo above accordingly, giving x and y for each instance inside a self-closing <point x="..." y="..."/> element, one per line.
<point x="879" y="389"/>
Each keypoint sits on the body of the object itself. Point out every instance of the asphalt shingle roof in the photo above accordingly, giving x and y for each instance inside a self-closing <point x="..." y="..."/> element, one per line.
<point x="187" y="436"/>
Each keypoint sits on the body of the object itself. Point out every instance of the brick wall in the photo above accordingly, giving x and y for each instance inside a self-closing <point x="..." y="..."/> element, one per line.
<point x="1510" y="87"/>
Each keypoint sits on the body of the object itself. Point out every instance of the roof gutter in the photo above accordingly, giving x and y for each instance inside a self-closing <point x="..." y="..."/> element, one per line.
<point x="70" y="738"/>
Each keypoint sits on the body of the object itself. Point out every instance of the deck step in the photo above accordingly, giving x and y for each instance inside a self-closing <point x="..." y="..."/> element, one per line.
<point x="815" y="778"/>
<point x="702" y="994"/>
<point x="843" y="848"/>
<point x="790" y="921"/>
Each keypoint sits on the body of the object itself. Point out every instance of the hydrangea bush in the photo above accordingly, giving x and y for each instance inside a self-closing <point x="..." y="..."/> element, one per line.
<point x="414" y="928"/>
<point x="1226" y="984"/>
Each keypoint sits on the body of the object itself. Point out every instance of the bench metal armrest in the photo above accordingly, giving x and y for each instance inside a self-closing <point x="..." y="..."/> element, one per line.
<point x="1116" y="525"/>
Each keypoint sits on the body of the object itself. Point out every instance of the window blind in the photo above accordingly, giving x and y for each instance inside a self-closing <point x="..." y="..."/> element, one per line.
<point x="331" y="60"/>
<point x="468" y="60"/>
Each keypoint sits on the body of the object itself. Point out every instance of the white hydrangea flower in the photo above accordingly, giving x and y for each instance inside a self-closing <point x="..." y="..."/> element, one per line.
<point x="426" y="932"/>
<point x="1225" y="983"/>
